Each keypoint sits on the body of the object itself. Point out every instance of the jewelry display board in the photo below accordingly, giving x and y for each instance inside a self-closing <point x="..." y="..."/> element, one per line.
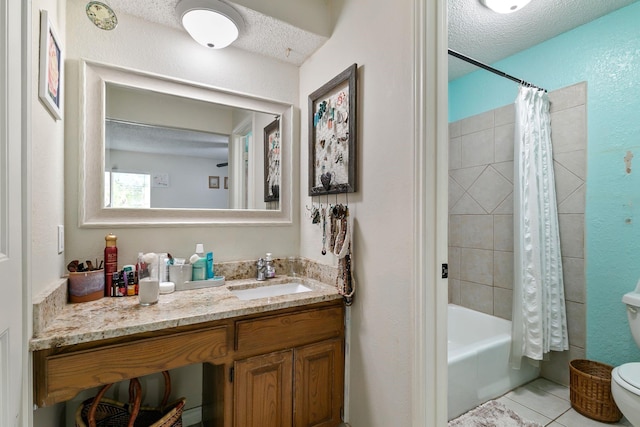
<point x="332" y="135"/>
<point x="272" y="161"/>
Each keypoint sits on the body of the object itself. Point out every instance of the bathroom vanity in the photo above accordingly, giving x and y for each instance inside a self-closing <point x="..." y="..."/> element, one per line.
<point x="267" y="361"/>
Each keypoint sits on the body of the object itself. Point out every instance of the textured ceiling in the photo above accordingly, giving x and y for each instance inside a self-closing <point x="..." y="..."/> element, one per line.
<point x="474" y="30"/>
<point x="488" y="37"/>
<point x="262" y="34"/>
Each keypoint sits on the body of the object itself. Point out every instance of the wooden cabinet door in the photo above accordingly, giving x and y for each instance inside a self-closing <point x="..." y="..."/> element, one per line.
<point x="263" y="389"/>
<point x="319" y="382"/>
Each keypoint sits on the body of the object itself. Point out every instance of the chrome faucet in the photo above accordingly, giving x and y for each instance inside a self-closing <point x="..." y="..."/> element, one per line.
<point x="262" y="269"/>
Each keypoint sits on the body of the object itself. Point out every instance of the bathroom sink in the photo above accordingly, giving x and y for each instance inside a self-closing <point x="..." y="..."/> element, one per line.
<point x="268" y="290"/>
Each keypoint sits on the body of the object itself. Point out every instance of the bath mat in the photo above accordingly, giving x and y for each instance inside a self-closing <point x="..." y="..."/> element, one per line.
<point x="491" y="414"/>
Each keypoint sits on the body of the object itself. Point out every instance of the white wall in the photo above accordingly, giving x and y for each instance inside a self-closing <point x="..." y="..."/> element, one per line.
<point x="188" y="178"/>
<point x="44" y="183"/>
<point x="47" y="163"/>
<point x="138" y="44"/>
<point x="378" y="36"/>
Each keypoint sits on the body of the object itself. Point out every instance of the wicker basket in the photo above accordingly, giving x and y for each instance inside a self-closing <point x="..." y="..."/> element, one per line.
<point x="102" y="412"/>
<point x="590" y="390"/>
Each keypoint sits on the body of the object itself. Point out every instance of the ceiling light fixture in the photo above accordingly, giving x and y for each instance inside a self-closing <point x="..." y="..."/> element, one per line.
<point x="211" y="23"/>
<point x="505" y="6"/>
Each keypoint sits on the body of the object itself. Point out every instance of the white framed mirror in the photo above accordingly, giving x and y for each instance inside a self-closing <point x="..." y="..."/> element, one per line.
<point x="221" y="134"/>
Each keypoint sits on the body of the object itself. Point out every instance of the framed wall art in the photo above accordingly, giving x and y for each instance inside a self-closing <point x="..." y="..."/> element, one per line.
<point x="159" y="180"/>
<point x="332" y="135"/>
<point x="272" y="161"/>
<point x="214" y="182"/>
<point x="51" y="67"/>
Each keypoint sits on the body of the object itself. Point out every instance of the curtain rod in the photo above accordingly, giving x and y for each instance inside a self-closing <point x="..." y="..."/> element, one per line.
<point x="491" y="69"/>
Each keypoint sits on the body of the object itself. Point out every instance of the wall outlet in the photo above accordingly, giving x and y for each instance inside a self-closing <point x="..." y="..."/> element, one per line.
<point x="60" y="239"/>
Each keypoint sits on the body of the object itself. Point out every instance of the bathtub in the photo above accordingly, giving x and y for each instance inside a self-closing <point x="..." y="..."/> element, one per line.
<point x="478" y="360"/>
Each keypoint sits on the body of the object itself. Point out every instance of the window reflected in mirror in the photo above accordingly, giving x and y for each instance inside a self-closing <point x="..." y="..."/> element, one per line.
<point x="161" y="149"/>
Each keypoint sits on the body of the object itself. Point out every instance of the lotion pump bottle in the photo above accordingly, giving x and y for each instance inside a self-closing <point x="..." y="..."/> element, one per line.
<point x="199" y="262"/>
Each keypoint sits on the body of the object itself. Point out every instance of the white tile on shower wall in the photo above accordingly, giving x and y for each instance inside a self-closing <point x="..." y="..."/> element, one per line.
<point x="557" y="367"/>
<point x="490" y="189"/>
<point x="505" y="169"/>
<point x="576" y="323"/>
<point x="503" y="269"/>
<point x="574" y="161"/>
<point x="454" y="129"/>
<point x="477" y="123"/>
<point x="477" y="148"/>
<point x="503" y="232"/>
<point x="455" y="238"/>
<point x="454" y="262"/>
<point x="472" y="231"/>
<point x="467" y="206"/>
<point x="455" y="192"/>
<point x="572" y="235"/>
<point x="503" y="140"/>
<point x="575" y="203"/>
<point x="455" y="153"/>
<point x="505" y="115"/>
<point x="569" y="129"/>
<point x="566" y="182"/>
<point x="502" y="303"/>
<point x="570" y="96"/>
<point x="574" y="281"/>
<point x="454" y="291"/>
<point x="476" y="296"/>
<point x="476" y="265"/>
<point x="506" y="207"/>
<point x="467" y="176"/>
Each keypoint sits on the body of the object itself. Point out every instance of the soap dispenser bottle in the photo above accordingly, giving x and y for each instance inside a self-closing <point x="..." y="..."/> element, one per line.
<point x="270" y="270"/>
<point x="199" y="264"/>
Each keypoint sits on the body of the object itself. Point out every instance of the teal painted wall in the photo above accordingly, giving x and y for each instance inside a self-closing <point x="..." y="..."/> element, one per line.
<point x="605" y="54"/>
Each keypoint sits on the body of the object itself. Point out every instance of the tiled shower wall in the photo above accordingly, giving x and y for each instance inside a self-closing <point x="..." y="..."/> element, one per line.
<point x="481" y="212"/>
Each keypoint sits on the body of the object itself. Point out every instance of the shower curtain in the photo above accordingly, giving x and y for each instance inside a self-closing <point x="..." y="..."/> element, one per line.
<point x="539" y="321"/>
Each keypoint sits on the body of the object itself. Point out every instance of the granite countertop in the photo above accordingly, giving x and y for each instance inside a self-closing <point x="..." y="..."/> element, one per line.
<point x="117" y="317"/>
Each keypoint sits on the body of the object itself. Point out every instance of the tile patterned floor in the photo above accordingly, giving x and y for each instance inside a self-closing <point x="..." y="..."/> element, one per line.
<point x="548" y="403"/>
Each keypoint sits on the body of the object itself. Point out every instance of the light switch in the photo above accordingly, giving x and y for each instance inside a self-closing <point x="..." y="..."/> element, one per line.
<point x="60" y="239"/>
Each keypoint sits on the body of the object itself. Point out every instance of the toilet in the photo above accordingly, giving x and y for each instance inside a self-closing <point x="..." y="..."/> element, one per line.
<point x="625" y="379"/>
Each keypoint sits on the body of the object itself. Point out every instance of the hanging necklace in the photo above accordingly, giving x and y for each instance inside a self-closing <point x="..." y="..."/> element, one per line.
<point x="323" y="212"/>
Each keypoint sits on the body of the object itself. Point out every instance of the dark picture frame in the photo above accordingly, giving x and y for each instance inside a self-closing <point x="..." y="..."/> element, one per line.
<point x="272" y="145"/>
<point x="333" y="135"/>
<point x="214" y="182"/>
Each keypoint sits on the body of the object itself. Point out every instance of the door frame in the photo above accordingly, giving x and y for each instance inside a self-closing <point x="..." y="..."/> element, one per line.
<point x="430" y="293"/>
<point x="26" y="41"/>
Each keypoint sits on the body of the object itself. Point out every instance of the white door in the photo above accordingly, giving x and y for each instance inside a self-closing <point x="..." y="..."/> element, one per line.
<point x="11" y="332"/>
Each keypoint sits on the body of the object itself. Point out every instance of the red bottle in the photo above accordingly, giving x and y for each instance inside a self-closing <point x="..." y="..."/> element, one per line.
<point x="110" y="263"/>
